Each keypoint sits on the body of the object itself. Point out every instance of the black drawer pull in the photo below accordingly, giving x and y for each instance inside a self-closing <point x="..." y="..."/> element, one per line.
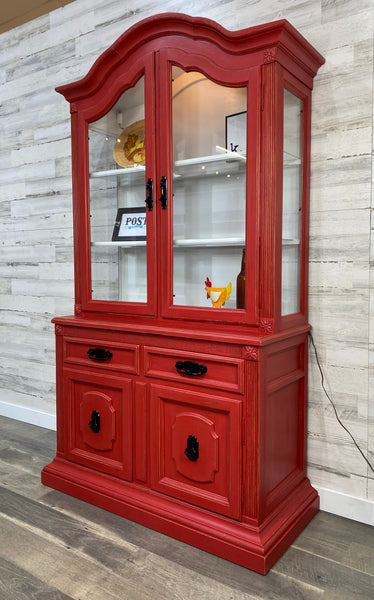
<point x="99" y="354"/>
<point x="192" y="450"/>
<point x="94" y="424"/>
<point x="192" y="369"/>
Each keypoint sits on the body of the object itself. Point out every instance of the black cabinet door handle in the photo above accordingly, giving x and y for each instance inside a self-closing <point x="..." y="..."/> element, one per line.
<point x="99" y="354"/>
<point x="192" y="450"/>
<point x="149" y="194"/>
<point x="192" y="369"/>
<point x="164" y="192"/>
<point x="94" y="424"/>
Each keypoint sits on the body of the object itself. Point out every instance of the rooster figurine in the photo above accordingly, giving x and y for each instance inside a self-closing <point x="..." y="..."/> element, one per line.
<point x="218" y="296"/>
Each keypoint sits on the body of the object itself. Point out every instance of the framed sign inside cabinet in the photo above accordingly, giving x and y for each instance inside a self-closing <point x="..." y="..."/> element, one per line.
<point x="130" y="225"/>
<point x="178" y="405"/>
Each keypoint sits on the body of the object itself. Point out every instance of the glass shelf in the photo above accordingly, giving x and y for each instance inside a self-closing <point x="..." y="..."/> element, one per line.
<point x="181" y="243"/>
<point x="218" y="242"/>
<point x="121" y="244"/>
<point x="128" y="172"/>
<point x="184" y="243"/>
<point x="225" y="163"/>
<point x="289" y="160"/>
<point x="290" y="242"/>
<point x="222" y="163"/>
<point x="224" y="156"/>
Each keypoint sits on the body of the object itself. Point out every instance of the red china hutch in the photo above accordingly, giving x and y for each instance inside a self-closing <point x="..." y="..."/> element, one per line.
<point x="181" y="401"/>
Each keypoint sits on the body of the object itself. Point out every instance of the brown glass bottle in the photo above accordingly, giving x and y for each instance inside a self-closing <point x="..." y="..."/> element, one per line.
<point x="240" y="285"/>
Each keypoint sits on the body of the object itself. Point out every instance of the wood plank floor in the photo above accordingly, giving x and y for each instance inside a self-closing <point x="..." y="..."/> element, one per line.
<point x="54" y="547"/>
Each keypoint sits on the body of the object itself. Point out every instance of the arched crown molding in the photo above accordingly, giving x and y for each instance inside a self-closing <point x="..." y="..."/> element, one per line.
<point x="277" y="34"/>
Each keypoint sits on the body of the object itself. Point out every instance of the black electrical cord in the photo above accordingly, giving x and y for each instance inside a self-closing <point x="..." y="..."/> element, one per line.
<point x="333" y="405"/>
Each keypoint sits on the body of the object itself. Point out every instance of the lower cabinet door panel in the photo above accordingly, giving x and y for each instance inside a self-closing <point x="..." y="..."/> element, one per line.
<point x="98" y="421"/>
<point x="196" y="448"/>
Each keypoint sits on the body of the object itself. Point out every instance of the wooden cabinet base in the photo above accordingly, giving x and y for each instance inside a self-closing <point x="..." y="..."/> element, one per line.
<point x="256" y="548"/>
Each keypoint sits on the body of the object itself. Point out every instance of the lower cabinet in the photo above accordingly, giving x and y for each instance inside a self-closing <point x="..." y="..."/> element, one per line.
<point x="195" y="448"/>
<point x="206" y="447"/>
<point x="98" y="421"/>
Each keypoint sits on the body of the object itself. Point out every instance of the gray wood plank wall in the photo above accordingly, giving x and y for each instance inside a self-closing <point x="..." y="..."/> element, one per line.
<point x="36" y="253"/>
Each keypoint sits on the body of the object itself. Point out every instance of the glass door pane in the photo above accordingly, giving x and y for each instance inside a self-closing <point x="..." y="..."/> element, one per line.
<point x="209" y="187"/>
<point x="291" y="224"/>
<point x="117" y="208"/>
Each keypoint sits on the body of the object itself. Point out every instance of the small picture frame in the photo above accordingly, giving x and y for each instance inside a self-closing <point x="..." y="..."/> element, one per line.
<point x="236" y="133"/>
<point x="130" y="225"/>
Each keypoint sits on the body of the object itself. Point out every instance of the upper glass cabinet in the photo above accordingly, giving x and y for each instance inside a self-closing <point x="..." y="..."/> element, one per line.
<point x="198" y="185"/>
<point x="292" y="196"/>
<point x="118" y="223"/>
<point x="190" y="149"/>
<point x="209" y="125"/>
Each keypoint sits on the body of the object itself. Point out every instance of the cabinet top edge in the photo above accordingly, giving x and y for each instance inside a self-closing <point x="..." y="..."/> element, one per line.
<point x="239" y="337"/>
<point x="241" y="41"/>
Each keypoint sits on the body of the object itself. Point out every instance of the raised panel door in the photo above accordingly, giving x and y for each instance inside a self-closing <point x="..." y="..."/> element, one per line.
<point x="195" y="448"/>
<point x="98" y="417"/>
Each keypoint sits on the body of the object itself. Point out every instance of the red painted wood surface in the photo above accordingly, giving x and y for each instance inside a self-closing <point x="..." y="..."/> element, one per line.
<point x="247" y="496"/>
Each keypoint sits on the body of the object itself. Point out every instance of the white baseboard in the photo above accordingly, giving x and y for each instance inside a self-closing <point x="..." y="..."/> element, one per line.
<point x="28" y="415"/>
<point x="346" y="506"/>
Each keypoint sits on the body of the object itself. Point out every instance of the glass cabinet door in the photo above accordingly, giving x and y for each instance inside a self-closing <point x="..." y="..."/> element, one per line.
<point x="118" y="219"/>
<point x="209" y="190"/>
<point x="292" y="195"/>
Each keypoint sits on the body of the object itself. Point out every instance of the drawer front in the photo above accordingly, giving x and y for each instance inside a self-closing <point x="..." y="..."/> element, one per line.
<point x="209" y="371"/>
<point x="98" y="417"/>
<point x="103" y="355"/>
<point x="197" y="437"/>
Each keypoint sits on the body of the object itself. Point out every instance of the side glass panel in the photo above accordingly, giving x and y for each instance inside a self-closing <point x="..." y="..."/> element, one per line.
<point x="117" y="209"/>
<point x="291" y="228"/>
<point x="209" y="186"/>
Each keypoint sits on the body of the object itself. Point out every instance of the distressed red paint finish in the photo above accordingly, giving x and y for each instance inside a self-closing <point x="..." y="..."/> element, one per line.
<point x="217" y="460"/>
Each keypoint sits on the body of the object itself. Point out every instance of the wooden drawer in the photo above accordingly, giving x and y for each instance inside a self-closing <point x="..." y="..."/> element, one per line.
<point x="223" y="373"/>
<point x="119" y="357"/>
<point x="197" y="437"/>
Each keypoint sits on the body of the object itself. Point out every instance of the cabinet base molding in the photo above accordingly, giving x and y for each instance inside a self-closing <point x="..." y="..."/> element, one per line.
<point x="253" y="547"/>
